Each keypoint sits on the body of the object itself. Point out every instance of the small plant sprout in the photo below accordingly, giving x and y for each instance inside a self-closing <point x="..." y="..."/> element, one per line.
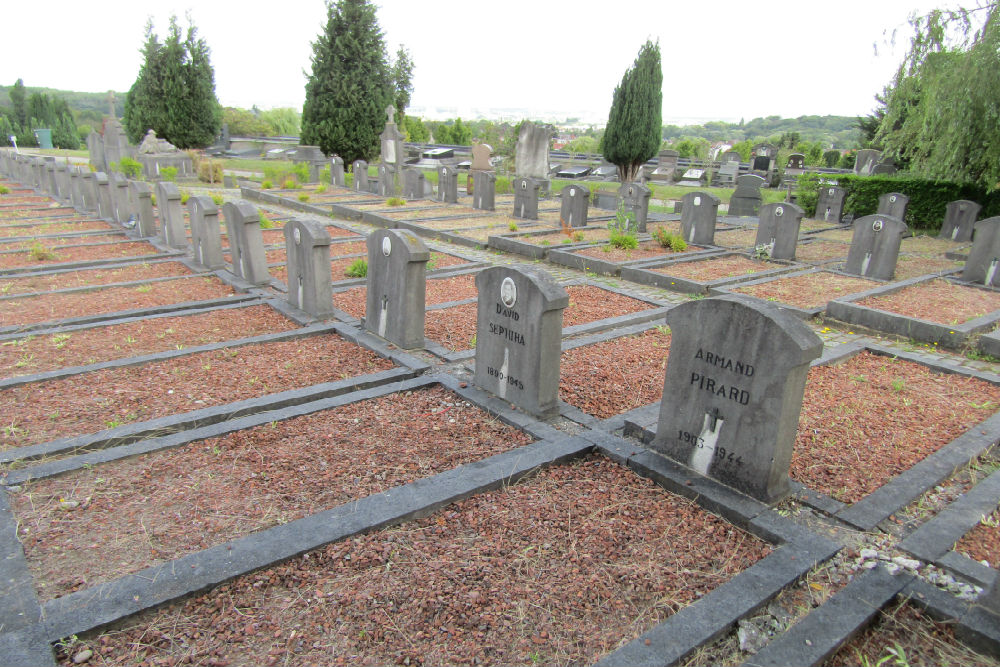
<point x="144" y="288"/>
<point x="303" y="197"/>
<point x="395" y="201"/>
<point x="265" y="222"/>
<point x="898" y="385"/>
<point x="512" y="226"/>
<point x="763" y="251"/>
<point x="358" y="268"/>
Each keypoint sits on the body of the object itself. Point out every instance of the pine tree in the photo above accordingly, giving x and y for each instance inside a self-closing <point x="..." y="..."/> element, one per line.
<point x="17" y="100"/>
<point x="350" y="85"/>
<point x="402" y="82"/>
<point x="634" y="125"/>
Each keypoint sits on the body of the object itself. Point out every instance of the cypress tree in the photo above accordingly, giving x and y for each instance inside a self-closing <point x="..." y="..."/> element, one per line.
<point x="350" y="85"/>
<point x="634" y="128"/>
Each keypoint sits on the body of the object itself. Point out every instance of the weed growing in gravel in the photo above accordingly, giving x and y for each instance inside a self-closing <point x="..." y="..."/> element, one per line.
<point x="4" y="190"/>
<point x="512" y="226"/>
<point x="266" y="185"/>
<point x="623" y="229"/>
<point x="144" y="288"/>
<point x="265" y="222"/>
<point x="358" y="268"/>
<point x="218" y="199"/>
<point x="60" y="340"/>
<point x="40" y="253"/>
<point x="395" y="201"/>
<point x="675" y="242"/>
<point x="303" y="197"/>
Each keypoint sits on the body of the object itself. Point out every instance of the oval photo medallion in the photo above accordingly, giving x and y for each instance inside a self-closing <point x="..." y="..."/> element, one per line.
<point x="386" y="246"/>
<point x="778" y="212"/>
<point x="508" y="292"/>
<point x="877" y="226"/>
<point x="296" y="235"/>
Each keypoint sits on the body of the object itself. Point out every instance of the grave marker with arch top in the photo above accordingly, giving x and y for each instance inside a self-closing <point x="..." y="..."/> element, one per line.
<point x="875" y="246"/>
<point x="246" y="242"/>
<point x="307" y="249"/>
<point x="397" y="287"/>
<point x="206" y="237"/>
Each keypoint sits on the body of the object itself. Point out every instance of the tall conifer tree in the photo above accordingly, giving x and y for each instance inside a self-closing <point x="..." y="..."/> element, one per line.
<point x="634" y="130"/>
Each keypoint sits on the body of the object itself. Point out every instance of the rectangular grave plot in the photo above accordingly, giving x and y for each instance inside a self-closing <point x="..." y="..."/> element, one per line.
<point x="913" y="266"/>
<point x="147" y="509"/>
<point x="59" y="243"/>
<point x="932" y="246"/>
<point x="91" y="402"/>
<point x="498" y="577"/>
<point x="270" y="237"/>
<point x="271" y="256"/>
<point x="698" y="275"/>
<point x="438" y="291"/>
<point x="807" y="292"/>
<point x="47" y="282"/>
<point x="40" y="353"/>
<point x="929" y="310"/>
<point x="869" y="418"/>
<point x="48" y="228"/>
<point x="457" y="224"/>
<point x="606" y="259"/>
<point x="736" y="238"/>
<point x="821" y="252"/>
<point x="42" y="257"/>
<point x="102" y="300"/>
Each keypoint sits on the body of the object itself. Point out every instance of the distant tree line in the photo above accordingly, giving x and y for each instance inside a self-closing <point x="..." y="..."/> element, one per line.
<point x="36" y="110"/>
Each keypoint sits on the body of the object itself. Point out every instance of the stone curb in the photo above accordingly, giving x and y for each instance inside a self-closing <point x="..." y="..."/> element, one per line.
<point x="32" y="269"/>
<point x="973" y="625"/>
<point x="644" y="275"/>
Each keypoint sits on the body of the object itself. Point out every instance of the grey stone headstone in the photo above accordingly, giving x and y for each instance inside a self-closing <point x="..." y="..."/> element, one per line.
<point x="733" y="391"/>
<point x="385" y="181"/>
<point x="532" y="152"/>
<point x="726" y="175"/>
<point x="143" y="196"/>
<point x="76" y="192"/>
<point x="746" y="199"/>
<point x="95" y="146"/>
<point x="959" y="220"/>
<point x="830" y="205"/>
<point x="105" y="208"/>
<point x="307" y="249"/>
<point x="62" y="183"/>
<point x="484" y="191"/>
<point x="635" y="197"/>
<point x="206" y="237"/>
<point x="414" y="184"/>
<point x="397" y="287"/>
<point x="120" y="195"/>
<point x="360" y="170"/>
<point x="699" y="213"/>
<point x="337" y="171"/>
<point x="313" y="172"/>
<point x="894" y="204"/>
<point x="575" y="206"/>
<point x="50" y="179"/>
<point x="875" y="246"/>
<point x="393" y="156"/>
<point x="518" y="337"/>
<point x="246" y="243"/>
<point x="731" y="156"/>
<point x="526" y="198"/>
<point x="865" y="161"/>
<point x="447" y="185"/>
<point x="228" y="181"/>
<point x="88" y="189"/>
<point x="778" y="229"/>
<point x="983" y="265"/>
<point x="168" y="201"/>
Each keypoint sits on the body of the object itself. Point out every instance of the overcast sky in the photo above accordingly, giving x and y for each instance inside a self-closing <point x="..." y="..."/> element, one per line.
<point x="722" y="59"/>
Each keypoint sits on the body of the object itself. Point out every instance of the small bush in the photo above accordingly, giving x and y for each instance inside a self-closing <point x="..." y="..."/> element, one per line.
<point x="289" y="184"/>
<point x="131" y="168"/>
<point x="152" y="199"/>
<point x="321" y="189"/>
<point x="265" y="222"/>
<point x="217" y="198"/>
<point x="301" y="169"/>
<point x="578" y="237"/>
<point x="503" y="186"/>
<point x="169" y="173"/>
<point x="623" y="229"/>
<point x="324" y="176"/>
<point x="395" y="201"/>
<point x="185" y="195"/>
<point x="303" y="197"/>
<point x="512" y="226"/>
<point x="358" y="268"/>
<point x="4" y="190"/>
<point x="623" y="241"/>
<point x="40" y="253"/>
<point x="210" y="171"/>
<point x="266" y="185"/>
<point x="672" y="241"/>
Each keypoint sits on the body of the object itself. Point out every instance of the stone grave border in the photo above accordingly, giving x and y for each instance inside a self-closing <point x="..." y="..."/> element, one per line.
<point x="848" y="311"/>
<point x="867" y="513"/>
<point x="81" y="235"/>
<point x="407" y="366"/>
<point x="512" y="243"/>
<point x="89" y="263"/>
<point x="471" y="266"/>
<point x="568" y="257"/>
<point x="642" y="273"/>
<point x="797" y="549"/>
<point x="972" y="624"/>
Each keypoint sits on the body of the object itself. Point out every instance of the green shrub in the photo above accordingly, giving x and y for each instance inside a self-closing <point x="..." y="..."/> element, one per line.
<point x="321" y="189"/>
<point x="131" y="168"/>
<point x="275" y="173"/>
<point x="358" y="268"/>
<point x="266" y="185"/>
<point x="265" y="222"/>
<point x="395" y="201"/>
<point x="623" y="241"/>
<point x="303" y="197"/>
<point x="289" y="184"/>
<point x="210" y="171"/>
<point x="40" y="253"/>
<point x="169" y="173"/>
<point x="674" y="242"/>
<point x="185" y="195"/>
<point x="4" y="190"/>
<point x="512" y="226"/>
<point x="324" y="175"/>
<point x="623" y="229"/>
<point x="217" y="198"/>
<point x="807" y="193"/>
<point x="503" y="186"/>
<point x="301" y="169"/>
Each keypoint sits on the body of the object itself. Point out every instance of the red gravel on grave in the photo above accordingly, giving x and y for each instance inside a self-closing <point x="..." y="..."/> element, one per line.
<point x="23" y="259"/>
<point x="716" y="268"/>
<point x="821" y="251"/>
<point x="36" y="354"/>
<point x="561" y="568"/>
<point x="645" y="250"/>
<point x="60" y="243"/>
<point x="438" y="290"/>
<point x="609" y="378"/>
<point x="92" y="277"/>
<point x="937" y="301"/>
<point x="61" y="227"/>
<point x="868" y="419"/>
<point x="90" y="402"/>
<point x="982" y="543"/>
<point x="455" y="327"/>
<point x="911" y="266"/>
<point x="46" y="307"/>
<point x="149" y="509"/>
<point x="809" y="290"/>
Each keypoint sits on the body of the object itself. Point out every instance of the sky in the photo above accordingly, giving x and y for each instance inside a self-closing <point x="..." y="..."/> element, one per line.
<point x="722" y="59"/>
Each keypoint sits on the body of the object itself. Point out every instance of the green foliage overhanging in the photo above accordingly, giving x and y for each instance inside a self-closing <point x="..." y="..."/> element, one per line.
<point x="634" y="128"/>
<point x="35" y="111"/>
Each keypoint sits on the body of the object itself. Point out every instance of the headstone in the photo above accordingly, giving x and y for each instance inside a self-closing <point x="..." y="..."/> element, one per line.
<point x="337" y="171"/>
<point x="959" y="220"/>
<point x="699" y="212"/>
<point x="438" y="153"/>
<point x="532" y="153"/>
<point x="865" y="161"/>
<point x="228" y="181"/>
<point x="145" y="221"/>
<point x="796" y="161"/>
<point x="246" y="243"/>
<point x="484" y="191"/>
<point x="778" y="230"/>
<point x="414" y="184"/>
<point x="990" y="599"/>
<point x="313" y="172"/>
<point x="694" y="178"/>
<point x="762" y="160"/>
<point x="76" y="192"/>
<point x="875" y="246"/>
<point x="447" y="185"/>
<point x="88" y="189"/>
<point x="983" y="265"/>
<point x="393" y="157"/>
<point x="894" y="204"/>
<point x="62" y="182"/>
<point x="206" y="237"/>
<point x="105" y="207"/>
<point x="168" y="200"/>
<point x="572" y="172"/>
<point x="635" y="198"/>
<point x="725" y="176"/>
<point x="518" y="337"/>
<point x="481" y="154"/>
<point x="386" y="181"/>
<point x="307" y="249"/>
<point x="120" y="197"/>
<point x="360" y="170"/>
<point x="733" y="391"/>
<point x="575" y="206"/>
<point x="665" y="166"/>
<point x="526" y="198"/>
<point x="95" y="146"/>
<point x="397" y="287"/>
<point x="50" y="179"/>
<point x="746" y="199"/>
<point x="830" y="205"/>
<point x="731" y="156"/>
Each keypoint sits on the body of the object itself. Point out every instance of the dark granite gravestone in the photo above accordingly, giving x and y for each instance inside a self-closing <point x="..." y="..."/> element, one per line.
<point x="573" y="172"/>
<point x="105" y="208"/>
<point x="699" y="212"/>
<point x="484" y="190"/>
<point x="246" y="243"/>
<point x="796" y="161"/>
<point x="526" y="198"/>
<point x="830" y="205"/>
<point x="168" y="200"/>
<point x="733" y="391"/>
<point x="307" y="249"/>
<point x="959" y="220"/>
<point x="746" y="199"/>
<point x="518" y="335"/>
<point x="635" y="199"/>
<point x="206" y="237"/>
<point x="337" y="171"/>
<point x="447" y="185"/>
<point x="397" y="287"/>
<point x="360" y="170"/>
<point x="142" y="195"/>
<point x="875" y="246"/>
<point x="894" y="204"/>
<point x="983" y="265"/>
<point x="575" y="206"/>
<point x="414" y="184"/>
<point x="778" y="230"/>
